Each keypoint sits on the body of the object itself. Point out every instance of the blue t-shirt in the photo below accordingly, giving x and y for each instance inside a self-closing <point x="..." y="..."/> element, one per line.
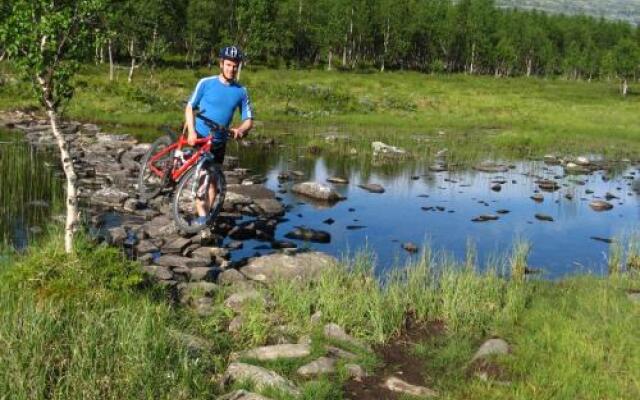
<point x="218" y="101"/>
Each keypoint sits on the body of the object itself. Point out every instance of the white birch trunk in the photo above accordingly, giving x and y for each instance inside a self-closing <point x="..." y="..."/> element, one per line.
<point x="473" y="57"/>
<point x="133" y="61"/>
<point x="529" y="66"/>
<point x="329" y="59"/>
<point x="625" y="87"/>
<point x="111" y="66"/>
<point x="71" y="220"/>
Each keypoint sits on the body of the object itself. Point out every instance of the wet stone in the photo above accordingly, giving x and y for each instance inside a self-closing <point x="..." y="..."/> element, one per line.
<point x="544" y="217"/>
<point x="485" y="218"/>
<point x="309" y="235"/>
<point x="338" y="180"/>
<point x="372" y="187"/>
<point x="175" y="245"/>
<point x="410" y="247"/>
<point x="600" y="205"/>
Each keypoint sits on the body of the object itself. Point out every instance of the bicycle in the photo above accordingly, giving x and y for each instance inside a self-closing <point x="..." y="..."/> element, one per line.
<point x="166" y="162"/>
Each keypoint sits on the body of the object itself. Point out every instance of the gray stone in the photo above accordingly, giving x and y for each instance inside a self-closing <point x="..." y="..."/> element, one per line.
<point x="317" y="191"/>
<point x="179" y="261"/>
<point x="410" y="247"/>
<point x="485" y="218"/>
<point x="253" y="192"/>
<point x="336" y="352"/>
<point x="188" y="292"/>
<point x="355" y="372"/>
<point x="600" y="205"/>
<point x="109" y="196"/>
<point x="338" y="180"/>
<point x="309" y="235"/>
<point x="397" y="385"/>
<point x="544" y="217"/>
<point x="230" y="276"/>
<point x="321" y="366"/>
<point x="117" y="235"/>
<point x="304" y="266"/>
<point x="269" y="207"/>
<point x="203" y="306"/>
<point x="260" y="377"/>
<point x="175" y="245"/>
<point x="372" y="187"/>
<point x="146" y="246"/>
<point x="160" y="226"/>
<point x="385" y="150"/>
<point x="202" y="274"/>
<point x="195" y="345"/>
<point x="335" y="332"/>
<point x="242" y="395"/>
<point x="537" y="197"/>
<point x="276" y="352"/>
<point x="158" y="272"/>
<point x="202" y="253"/>
<point x="316" y="318"/>
<point x="492" y="347"/>
<point x="236" y="324"/>
<point x="491" y="167"/>
<point x="237" y="300"/>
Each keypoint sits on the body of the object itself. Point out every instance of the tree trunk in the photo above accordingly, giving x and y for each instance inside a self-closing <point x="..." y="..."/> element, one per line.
<point x="625" y="87"/>
<point x="386" y="45"/>
<point x="69" y="171"/>
<point x="133" y="61"/>
<point x="529" y="66"/>
<point x="473" y="57"/>
<point x="329" y="59"/>
<point x="111" y="66"/>
<point x="344" y="49"/>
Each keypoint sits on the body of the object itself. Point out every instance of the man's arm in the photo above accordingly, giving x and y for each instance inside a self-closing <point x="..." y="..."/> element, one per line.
<point x="243" y="129"/>
<point x="190" y="121"/>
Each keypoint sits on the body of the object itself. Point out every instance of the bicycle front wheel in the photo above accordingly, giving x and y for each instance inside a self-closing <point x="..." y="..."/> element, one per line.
<point x="155" y="168"/>
<point x="194" y="192"/>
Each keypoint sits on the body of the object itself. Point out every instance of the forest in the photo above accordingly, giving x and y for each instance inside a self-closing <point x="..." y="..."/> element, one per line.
<point x="435" y="36"/>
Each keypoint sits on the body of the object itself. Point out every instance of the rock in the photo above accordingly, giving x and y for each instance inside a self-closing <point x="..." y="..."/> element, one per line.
<point x="537" y="197"/>
<point x="230" y="276"/>
<point x="116" y="236"/>
<point x="335" y="332"/>
<point x="492" y="347"/>
<point x="336" y="352"/>
<point x="160" y="226"/>
<point x="491" y="167"/>
<point x="253" y="192"/>
<point x="602" y="239"/>
<point x="203" y="306"/>
<point x="202" y="253"/>
<point x="196" y="346"/>
<point x="233" y="200"/>
<point x="304" y="266"/>
<point x="158" y="272"/>
<point x="496" y="187"/>
<point x="355" y="372"/>
<point x="237" y="300"/>
<point x="610" y="196"/>
<point x="175" y="245"/>
<point x="202" y="274"/>
<point x="573" y="168"/>
<point x="544" y="217"/>
<point x="260" y="377"/>
<point x="188" y="292"/>
<point x="410" y="247"/>
<point x="242" y="395"/>
<point x="338" y="180"/>
<point x="385" y="150"/>
<point x="397" y="385"/>
<point x="329" y="221"/>
<point x="355" y="227"/>
<point x="548" y="185"/>
<point x="600" y="205"/>
<point x="309" y="235"/>
<point x="317" y="191"/>
<point x="437" y="168"/>
<point x="372" y="187"/>
<point x="320" y="366"/>
<point x="179" y="261"/>
<point x="270" y="207"/>
<point x="146" y="246"/>
<point x="485" y="218"/>
<point x="276" y="352"/>
<point x="109" y="197"/>
<point x="236" y="324"/>
<point x="582" y="161"/>
<point x="503" y="211"/>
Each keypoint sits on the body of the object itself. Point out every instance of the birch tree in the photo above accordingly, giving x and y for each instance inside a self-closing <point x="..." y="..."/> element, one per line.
<point x="44" y="39"/>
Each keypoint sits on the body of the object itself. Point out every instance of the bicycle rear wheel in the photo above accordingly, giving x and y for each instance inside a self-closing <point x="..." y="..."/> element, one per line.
<point x="154" y="172"/>
<point x="193" y="186"/>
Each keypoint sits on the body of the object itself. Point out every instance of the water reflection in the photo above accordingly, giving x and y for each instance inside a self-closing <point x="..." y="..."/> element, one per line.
<point x="437" y="208"/>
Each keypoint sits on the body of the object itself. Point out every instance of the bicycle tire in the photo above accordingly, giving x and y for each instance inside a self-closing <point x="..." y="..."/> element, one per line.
<point x="149" y="184"/>
<point x="183" y="204"/>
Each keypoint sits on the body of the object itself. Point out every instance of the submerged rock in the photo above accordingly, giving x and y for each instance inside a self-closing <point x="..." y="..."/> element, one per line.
<point x="485" y="218"/>
<point x="600" y="205"/>
<point x="491" y="167"/>
<point x="372" y="187"/>
<point x="544" y="217"/>
<point x="309" y="235"/>
<point x="338" y="180"/>
<point x="318" y="191"/>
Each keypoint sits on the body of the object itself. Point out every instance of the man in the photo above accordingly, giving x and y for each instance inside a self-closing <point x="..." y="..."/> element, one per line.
<point x="217" y="97"/>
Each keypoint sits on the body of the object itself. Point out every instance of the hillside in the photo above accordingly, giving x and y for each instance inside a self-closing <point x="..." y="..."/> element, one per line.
<point x="625" y="10"/>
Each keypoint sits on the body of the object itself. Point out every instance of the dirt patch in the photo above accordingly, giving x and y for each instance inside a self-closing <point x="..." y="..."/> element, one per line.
<point x="488" y="370"/>
<point x="397" y="360"/>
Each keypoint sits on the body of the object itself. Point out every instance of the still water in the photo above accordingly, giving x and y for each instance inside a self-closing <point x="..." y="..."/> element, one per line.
<point x="426" y="208"/>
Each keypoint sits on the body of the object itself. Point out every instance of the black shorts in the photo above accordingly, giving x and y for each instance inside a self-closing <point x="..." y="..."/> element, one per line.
<point x="218" y="150"/>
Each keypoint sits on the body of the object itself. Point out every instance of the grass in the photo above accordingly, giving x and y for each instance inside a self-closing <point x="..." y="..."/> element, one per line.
<point x="90" y="326"/>
<point x="473" y="116"/>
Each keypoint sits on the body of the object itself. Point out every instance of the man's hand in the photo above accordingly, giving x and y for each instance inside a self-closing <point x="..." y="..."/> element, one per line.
<point x="237" y="133"/>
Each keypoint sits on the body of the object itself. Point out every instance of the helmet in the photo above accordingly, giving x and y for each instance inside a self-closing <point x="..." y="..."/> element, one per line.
<point x="231" y="53"/>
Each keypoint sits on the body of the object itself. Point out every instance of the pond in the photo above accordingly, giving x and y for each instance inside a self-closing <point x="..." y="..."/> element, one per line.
<point x="31" y="190"/>
<point x="434" y="209"/>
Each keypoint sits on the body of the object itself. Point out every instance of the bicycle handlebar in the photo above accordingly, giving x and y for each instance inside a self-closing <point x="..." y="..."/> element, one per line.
<point x="210" y="123"/>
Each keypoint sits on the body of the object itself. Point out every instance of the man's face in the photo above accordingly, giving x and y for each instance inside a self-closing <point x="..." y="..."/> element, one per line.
<point x="229" y="69"/>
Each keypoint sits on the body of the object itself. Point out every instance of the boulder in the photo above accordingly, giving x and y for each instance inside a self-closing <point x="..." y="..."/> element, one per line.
<point x="109" y="197"/>
<point x="270" y="207"/>
<point x="385" y="150"/>
<point x="320" y="366"/>
<point x="317" y="191"/>
<point x="179" y="261"/>
<point x="372" y="187"/>
<point x="397" y="385"/>
<point x="335" y="332"/>
<point x="261" y="378"/>
<point x="492" y="347"/>
<point x="158" y="272"/>
<point x="600" y="205"/>
<point x="253" y="192"/>
<point x="237" y="300"/>
<point x="303" y="266"/>
<point x="309" y="235"/>
<point x="355" y="372"/>
<point x="338" y="180"/>
<point x="276" y="352"/>
<point x="491" y="167"/>
<point x="242" y="395"/>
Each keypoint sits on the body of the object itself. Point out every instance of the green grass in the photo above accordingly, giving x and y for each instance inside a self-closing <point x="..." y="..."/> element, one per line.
<point x="90" y="326"/>
<point x="479" y="116"/>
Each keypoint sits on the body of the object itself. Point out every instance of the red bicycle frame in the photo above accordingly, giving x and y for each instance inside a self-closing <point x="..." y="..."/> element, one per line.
<point x="202" y="145"/>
